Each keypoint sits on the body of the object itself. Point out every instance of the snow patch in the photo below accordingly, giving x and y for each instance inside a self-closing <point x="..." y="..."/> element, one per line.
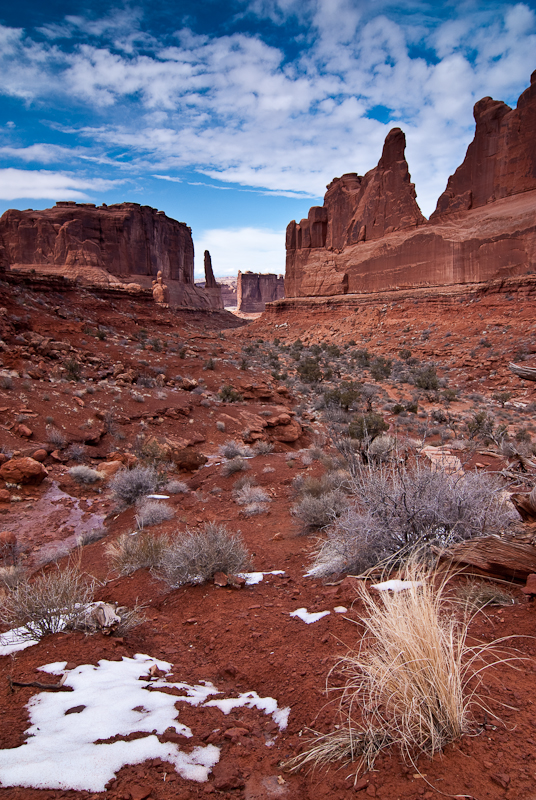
<point x="396" y="585"/>
<point x="252" y="578"/>
<point x="308" y="617"/>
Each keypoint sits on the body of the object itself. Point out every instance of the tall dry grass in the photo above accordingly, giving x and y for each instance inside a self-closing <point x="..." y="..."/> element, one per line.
<point x="413" y="682"/>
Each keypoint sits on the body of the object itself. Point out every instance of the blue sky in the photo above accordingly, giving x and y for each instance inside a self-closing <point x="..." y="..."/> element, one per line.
<point x="233" y="115"/>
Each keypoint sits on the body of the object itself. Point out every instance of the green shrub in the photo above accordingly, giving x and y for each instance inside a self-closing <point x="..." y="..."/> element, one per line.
<point x="367" y="426"/>
<point x="380" y="368"/>
<point x="309" y="370"/>
<point x="427" y="378"/>
<point x="229" y="395"/>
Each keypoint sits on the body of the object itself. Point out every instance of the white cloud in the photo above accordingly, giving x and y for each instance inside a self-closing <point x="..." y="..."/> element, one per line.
<point x="233" y="249"/>
<point x="235" y="109"/>
<point x="44" y="184"/>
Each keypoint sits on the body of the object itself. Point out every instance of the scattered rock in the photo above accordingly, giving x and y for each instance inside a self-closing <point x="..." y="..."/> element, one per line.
<point x="23" y="470"/>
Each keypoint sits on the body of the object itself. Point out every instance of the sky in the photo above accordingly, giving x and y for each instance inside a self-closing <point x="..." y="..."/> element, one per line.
<point x="233" y="115"/>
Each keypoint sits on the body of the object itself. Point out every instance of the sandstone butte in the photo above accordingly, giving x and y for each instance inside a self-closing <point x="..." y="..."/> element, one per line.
<point x="123" y="245"/>
<point x="370" y="234"/>
<point x="255" y="289"/>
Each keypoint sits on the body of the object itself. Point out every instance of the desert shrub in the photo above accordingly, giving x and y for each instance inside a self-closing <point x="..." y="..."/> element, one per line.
<point x="404" y="354"/>
<point x="398" y="508"/>
<point x="6" y="382"/>
<point x="477" y="594"/>
<point x="502" y="397"/>
<point x="56" y="437"/>
<point x="413" y="679"/>
<point x="381" y="448"/>
<point x="153" y="512"/>
<point x="220" y="426"/>
<point x="133" y="551"/>
<point x="129" y="485"/>
<point x="48" y="604"/>
<point x="232" y="449"/>
<point x="83" y="474"/>
<point x="209" y="364"/>
<point x="315" y="513"/>
<point x="177" y="487"/>
<point x="367" y="426"/>
<point x="380" y="368"/>
<point x="236" y="464"/>
<point x="137" y="397"/>
<point x="344" y="395"/>
<point x="261" y="448"/>
<point x="88" y="537"/>
<point x="309" y="370"/>
<point x="11" y="576"/>
<point x="145" y="380"/>
<point x="77" y="451"/>
<point x="426" y="378"/>
<point x="229" y="395"/>
<point x="195" y="557"/>
<point x="247" y="494"/>
<point x="73" y="369"/>
<point x="362" y="358"/>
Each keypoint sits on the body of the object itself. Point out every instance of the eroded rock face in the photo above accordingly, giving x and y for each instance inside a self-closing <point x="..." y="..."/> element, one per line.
<point x="370" y="235"/>
<point x="255" y="289"/>
<point x="123" y="243"/>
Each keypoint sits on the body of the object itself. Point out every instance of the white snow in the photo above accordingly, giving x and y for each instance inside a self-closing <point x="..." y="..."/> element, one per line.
<point x="119" y="699"/>
<point x="158" y="496"/>
<point x="340" y="609"/>
<point x="252" y="578"/>
<point x="395" y="585"/>
<point x="308" y="617"/>
<point x="14" y="640"/>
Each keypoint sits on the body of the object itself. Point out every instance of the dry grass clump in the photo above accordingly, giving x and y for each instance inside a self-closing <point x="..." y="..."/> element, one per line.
<point x="56" y="437"/>
<point x="48" y="604"/>
<point x="133" y="551"/>
<point x="477" y="594"/>
<point x="411" y="685"/>
<point x="396" y="508"/>
<point x="315" y="513"/>
<point x="232" y="449"/>
<point x="85" y="475"/>
<point x="196" y="556"/>
<point x="176" y="487"/>
<point x="11" y="576"/>
<point x="88" y="537"/>
<point x="262" y="448"/>
<point x="234" y="465"/>
<point x="153" y="512"/>
<point x="129" y="485"/>
<point x="254" y="499"/>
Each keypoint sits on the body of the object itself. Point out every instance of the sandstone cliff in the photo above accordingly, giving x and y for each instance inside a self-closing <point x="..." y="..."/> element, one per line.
<point x="370" y="235"/>
<point x="255" y="289"/>
<point x="122" y="243"/>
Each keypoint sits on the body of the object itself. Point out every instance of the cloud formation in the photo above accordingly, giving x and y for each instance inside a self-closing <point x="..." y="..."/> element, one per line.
<point x="47" y="185"/>
<point x="233" y="249"/>
<point x="284" y="117"/>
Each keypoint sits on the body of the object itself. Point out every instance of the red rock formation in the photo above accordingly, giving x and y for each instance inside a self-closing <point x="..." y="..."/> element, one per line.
<point x="501" y="159"/>
<point x="255" y="289"/>
<point x="212" y="288"/>
<point x="374" y="237"/>
<point x="102" y="245"/>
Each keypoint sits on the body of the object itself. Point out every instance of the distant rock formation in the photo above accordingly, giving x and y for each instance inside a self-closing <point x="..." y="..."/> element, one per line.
<point x="212" y="288"/>
<point x="370" y="235"/>
<point x="255" y="289"/>
<point x="117" y="244"/>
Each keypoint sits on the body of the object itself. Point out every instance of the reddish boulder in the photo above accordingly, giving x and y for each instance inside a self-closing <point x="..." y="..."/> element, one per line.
<point x="23" y="470"/>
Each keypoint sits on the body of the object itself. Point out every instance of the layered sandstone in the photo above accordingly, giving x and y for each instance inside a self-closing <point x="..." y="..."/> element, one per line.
<point x="370" y="235"/>
<point x="123" y="243"/>
<point x="212" y="288"/>
<point x="255" y="289"/>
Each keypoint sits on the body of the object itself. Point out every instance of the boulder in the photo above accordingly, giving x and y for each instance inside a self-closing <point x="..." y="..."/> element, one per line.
<point x="23" y="470"/>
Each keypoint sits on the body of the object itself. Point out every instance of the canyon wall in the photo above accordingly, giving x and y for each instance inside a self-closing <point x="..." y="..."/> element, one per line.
<point x="371" y="236"/>
<point x="122" y="243"/>
<point x="254" y="290"/>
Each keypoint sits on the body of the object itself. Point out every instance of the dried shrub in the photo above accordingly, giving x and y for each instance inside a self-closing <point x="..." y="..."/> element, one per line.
<point x="176" y="487"/>
<point x="77" y="451"/>
<point x="234" y="465"/>
<point x="232" y="449"/>
<point x="10" y="577"/>
<point x="153" y="512"/>
<point x="83" y="474"/>
<point x="130" y="485"/>
<point x="262" y="448"/>
<point x="477" y="594"/>
<point x="220" y="426"/>
<point x="413" y="683"/>
<point x="133" y="551"/>
<point x="397" y="508"/>
<point x="229" y="395"/>
<point x="316" y="513"/>
<point x="56" y="437"/>
<point x="88" y="537"/>
<point x="6" y="382"/>
<point x="248" y="494"/>
<point x="48" y="604"/>
<point x="195" y="557"/>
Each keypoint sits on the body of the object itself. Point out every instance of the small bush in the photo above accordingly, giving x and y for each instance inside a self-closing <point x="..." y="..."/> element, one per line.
<point x="250" y="494"/>
<point x="229" y="395"/>
<point x="88" y="537"/>
<point x="261" y="448"/>
<point x="367" y="426"/>
<point x="131" y="552"/>
<point x="209" y="364"/>
<point x="56" y="437"/>
<point x="232" y="449"/>
<point x="129" y="485"/>
<point x="316" y="513"/>
<point x="427" y="378"/>
<point x="47" y="604"/>
<point x="380" y="368"/>
<point x="220" y="426"/>
<point x="237" y="464"/>
<point x="195" y="557"/>
<point x="176" y="487"/>
<point x="6" y="382"/>
<point x="83" y="474"/>
<point x="10" y="577"/>
<point x="477" y="594"/>
<point x="153" y="512"/>
<point x="309" y="370"/>
<point x="73" y="369"/>
<point x="77" y="451"/>
<point x="362" y="358"/>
